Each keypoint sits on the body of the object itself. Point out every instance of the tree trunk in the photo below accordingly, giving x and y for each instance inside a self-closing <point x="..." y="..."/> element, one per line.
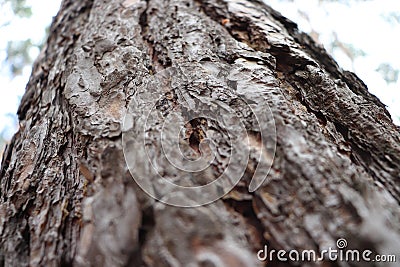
<point x="67" y="194"/>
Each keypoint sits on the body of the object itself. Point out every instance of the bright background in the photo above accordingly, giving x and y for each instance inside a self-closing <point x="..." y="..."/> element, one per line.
<point x="362" y="35"/>
<point x="17" y="29"/>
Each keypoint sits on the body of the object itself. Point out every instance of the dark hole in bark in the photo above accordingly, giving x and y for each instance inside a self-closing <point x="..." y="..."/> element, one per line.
<point x="194" y="142"/>
<point x="146" y="227"/>
<point x="195" y="133"/>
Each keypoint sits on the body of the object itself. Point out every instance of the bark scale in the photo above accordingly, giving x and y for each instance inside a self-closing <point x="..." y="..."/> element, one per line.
<point x="67" y="197"/>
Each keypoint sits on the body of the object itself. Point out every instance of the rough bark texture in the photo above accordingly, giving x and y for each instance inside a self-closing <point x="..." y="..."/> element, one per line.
<point x="67" y="197"/>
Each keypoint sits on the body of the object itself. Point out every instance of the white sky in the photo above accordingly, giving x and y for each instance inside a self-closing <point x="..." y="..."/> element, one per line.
<point x="359" y="23"/>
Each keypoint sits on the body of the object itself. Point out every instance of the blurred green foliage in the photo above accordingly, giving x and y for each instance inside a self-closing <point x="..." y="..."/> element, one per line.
<point x="2" y="144"/>
<point x="392" y="17"/>
<point x="349" y="49"/>
<point x="17" y="51"/>
<point x="18" y="55"/>
<point x="389" y="74"/>
<point x="20" y="8"/>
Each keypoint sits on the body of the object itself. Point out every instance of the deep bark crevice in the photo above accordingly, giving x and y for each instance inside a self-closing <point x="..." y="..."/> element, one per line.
<point x="143" y="22"/>
<point x="146" y="227"/>
<point x="155" y="64"/>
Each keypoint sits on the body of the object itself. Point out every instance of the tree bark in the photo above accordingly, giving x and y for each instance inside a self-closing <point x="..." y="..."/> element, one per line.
<point x="68" y="198"/>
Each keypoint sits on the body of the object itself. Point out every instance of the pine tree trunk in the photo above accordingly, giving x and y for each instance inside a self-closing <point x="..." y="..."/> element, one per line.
<point x="67" y="194"/>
